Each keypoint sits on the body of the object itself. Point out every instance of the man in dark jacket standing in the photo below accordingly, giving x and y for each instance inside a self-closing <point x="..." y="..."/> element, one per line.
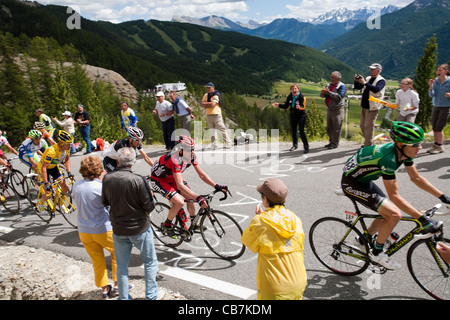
<point x="130" y="201"/>
<point x="334" y="94"/>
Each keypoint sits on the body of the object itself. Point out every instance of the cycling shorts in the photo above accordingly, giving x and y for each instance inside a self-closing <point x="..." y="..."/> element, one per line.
<point x="23" y="157"/>
<point x="166" y="188"/>
<point x="54" y="173"/>
<point x="367" y="194"/>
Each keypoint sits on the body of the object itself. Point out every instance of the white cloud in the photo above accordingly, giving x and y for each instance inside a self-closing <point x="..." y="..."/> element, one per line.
<point x="123" y="10"/>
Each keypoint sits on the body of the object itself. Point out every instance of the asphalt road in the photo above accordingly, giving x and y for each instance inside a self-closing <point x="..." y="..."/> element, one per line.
<point x="198" y="274"/>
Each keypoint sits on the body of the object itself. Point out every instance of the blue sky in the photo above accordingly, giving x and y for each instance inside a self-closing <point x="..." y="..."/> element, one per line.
<point x="236" y="10"/>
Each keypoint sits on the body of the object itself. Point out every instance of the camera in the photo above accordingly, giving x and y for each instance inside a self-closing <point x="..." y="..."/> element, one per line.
<point x="358" y="77"/>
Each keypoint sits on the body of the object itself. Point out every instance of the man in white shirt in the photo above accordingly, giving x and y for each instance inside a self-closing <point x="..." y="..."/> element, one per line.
<point x="165" y="111"/>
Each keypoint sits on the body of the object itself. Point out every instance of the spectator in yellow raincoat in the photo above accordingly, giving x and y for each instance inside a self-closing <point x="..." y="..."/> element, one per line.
<point x="276" y="234"/>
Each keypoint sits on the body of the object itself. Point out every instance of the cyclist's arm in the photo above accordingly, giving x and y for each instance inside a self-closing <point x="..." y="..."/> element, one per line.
<point x="51" y="141"/>
<point x="421" y="182"/>
<point x="185" y="191"/>
<point x="202" y="174"/>
<point x="11" y="149"/>
<point x="44" y="171"/>
<point x="391" y="186"/>
<point x="67" y="163"/>
<point x="146" y="157"/>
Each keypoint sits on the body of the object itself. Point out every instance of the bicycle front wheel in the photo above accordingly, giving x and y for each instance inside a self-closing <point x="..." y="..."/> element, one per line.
<point x="333" y="242"/>
<point x="222" y="234"/>
<point x="17" y="181"/>
<point x="428" y="268"/>
<point x="44" y="210"/>
<point x="68" y="211"/>
<point x="158" y="216"/>
<point x="9" y="198"/>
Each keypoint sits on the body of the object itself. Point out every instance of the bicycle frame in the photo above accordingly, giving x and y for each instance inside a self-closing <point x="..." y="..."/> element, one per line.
<point x="407" y="238"/>
<point x="57" y="196"/>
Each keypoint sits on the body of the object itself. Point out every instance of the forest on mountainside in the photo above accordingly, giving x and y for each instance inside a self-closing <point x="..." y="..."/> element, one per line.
<point x="34" y="74"/>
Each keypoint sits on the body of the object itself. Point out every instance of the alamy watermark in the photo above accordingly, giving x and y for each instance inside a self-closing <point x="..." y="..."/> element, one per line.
<point x="74" y="20"/>
<point x="374" y="21"/>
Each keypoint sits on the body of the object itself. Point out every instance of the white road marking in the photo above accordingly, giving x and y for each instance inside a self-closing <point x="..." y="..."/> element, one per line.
<point x="208" y="282"/>
<point x="6" y="229"/>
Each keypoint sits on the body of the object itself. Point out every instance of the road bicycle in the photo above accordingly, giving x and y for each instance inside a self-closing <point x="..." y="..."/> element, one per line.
<point x="8" y="196"/>
<point x="57" y="202"/>
<point x="334" y="243"/>
<point x="220" y="232"/>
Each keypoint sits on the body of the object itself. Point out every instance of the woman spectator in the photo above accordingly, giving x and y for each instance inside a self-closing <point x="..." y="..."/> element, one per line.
<point x="440" y="92"/>
<point x="295" y="102"/>
<point x="68" y="125"/>
<point x="94" y="226"/>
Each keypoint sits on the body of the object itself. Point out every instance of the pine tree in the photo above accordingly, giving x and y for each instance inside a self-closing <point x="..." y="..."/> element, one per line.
<point x="425" y="71"/>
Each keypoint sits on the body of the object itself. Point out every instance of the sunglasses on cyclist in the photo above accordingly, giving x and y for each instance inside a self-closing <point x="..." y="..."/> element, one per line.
<point x="415" y="145"/>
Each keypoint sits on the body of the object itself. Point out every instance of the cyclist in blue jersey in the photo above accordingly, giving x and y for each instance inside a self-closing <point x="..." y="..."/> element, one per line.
<point x="373" y="162"/>
<point x="29" y="150"/>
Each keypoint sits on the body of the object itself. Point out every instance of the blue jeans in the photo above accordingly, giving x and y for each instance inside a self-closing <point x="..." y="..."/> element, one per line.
<point x="85" y="133"/>
<point x="122" y="249"/>
<point x="72" y="148"/>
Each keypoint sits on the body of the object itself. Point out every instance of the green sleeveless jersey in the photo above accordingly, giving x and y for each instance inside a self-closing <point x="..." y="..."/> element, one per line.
<point x="370" y="163"/>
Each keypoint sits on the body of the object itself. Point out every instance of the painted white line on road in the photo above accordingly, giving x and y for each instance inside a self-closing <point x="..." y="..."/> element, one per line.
<point x="211" y="283"/>
<point x="5" y="229"/>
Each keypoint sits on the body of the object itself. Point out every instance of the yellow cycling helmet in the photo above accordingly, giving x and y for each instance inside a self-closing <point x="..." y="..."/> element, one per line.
<point x="64" y="136"/>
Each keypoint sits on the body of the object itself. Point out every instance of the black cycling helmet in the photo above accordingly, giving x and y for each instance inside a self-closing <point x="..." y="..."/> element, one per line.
<point x="407" y="133"/>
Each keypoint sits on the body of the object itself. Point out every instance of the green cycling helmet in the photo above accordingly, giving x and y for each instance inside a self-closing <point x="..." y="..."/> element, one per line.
<point x="407" y="133"/>
<point x="35" y="134"/>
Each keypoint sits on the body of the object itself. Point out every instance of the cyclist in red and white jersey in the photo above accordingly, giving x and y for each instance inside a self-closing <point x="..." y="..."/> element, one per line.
<point x="3" y="158"/>
<point x="167" y="179"/>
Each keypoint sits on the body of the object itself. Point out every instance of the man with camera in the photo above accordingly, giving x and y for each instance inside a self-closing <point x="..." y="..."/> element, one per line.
<point x="373" y="85"/>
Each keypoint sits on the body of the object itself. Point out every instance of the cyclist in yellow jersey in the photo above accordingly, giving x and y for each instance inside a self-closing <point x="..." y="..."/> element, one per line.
<point x="49" y="164"/>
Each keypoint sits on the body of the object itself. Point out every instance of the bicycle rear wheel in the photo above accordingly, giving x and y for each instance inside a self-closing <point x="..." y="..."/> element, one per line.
<point x="158" y="216"/>
<point x="9" y="198"/>
<point x="332" y="241"/>
<point x="222" y="234"/>
<point x="67" y="210"/>
<point x="16" y="179"/>
<point x="428" y="268"/>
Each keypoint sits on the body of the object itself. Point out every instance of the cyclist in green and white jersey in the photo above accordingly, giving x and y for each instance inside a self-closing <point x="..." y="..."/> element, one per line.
<point x="373" y="162"/>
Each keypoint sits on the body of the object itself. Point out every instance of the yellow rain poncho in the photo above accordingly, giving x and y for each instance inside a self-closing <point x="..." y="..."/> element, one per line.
<point x="277" y="235"/>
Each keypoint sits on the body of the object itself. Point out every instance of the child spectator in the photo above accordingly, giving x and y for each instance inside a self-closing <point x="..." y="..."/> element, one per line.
<point x="276" y="234"/>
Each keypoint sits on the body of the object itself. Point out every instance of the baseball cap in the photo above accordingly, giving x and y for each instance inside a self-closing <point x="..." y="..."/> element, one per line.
<point x="376" y="66"/>
<point x="160" y="94"/>
<point x="210" y="84"/>
<point x="67" y="113"/>
<point x="274" y="189"/>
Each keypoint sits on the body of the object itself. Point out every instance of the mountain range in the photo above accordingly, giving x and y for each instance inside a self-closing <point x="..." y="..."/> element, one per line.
<point x="309" y="32"/>
<point x="344" y="34"/>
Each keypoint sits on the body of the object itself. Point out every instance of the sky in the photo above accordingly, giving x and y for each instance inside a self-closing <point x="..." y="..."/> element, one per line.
<point x="236" y="10"/>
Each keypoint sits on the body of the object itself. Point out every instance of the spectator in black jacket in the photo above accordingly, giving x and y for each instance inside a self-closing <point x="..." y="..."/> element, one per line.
<point x="131" y="202"/>
<point x="295" y="102"/>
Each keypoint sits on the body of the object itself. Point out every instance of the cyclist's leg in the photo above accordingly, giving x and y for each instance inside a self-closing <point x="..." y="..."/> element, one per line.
<point x="171" y="194"/>
<point x="373" y="198"/>
<point x="190" y="205"/>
